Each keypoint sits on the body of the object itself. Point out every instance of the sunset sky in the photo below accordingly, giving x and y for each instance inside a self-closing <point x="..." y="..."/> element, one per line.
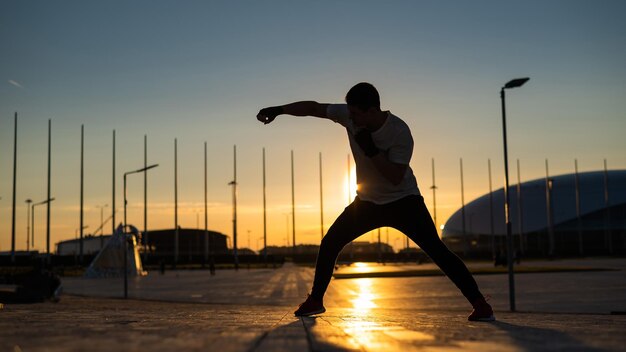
<point x="200" y="71"/>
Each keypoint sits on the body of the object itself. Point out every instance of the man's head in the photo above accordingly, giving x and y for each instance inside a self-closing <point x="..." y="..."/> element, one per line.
<point x="363" y="96"/>
<point x="363" y="101"/>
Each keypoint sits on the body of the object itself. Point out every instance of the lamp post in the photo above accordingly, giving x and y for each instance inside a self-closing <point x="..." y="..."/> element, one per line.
<point x="126" y="224"/>
<point x="234" y="184"/>
<point x="48" y="258"/>
<point x="264" y="214"/>
<point x="32" y="219"/>
<point x="518" y="82"/>
<point x="206" y="216"/>
<point x="493" y="238"/>
<point x="14" y="192"/>
<point x="28" y="202"/>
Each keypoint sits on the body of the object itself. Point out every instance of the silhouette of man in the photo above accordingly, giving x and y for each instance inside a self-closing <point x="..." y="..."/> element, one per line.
<point x="387" y="193"/>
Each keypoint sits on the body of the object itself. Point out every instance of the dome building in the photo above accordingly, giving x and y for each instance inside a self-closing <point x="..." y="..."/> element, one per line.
<point x="548" y="218"/>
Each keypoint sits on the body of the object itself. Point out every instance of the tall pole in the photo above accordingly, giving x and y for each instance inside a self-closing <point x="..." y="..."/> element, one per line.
<point x="507" y="215"/>
<point x="125" y="240"/>
<point x="520" y="212"/>
<point x="264" y="214"/>
<point x="28" y="202"/>
<point x="293" y="210"/>
<point x="113" y="191"/>
<point x="549" y="185"/>
<point x="48" y="204"/>
<point x="82" y="187"/>
<point x="206" y="210"/>
<point x="578" y="218"/>
<point x="607" y="217"/>
<point x="234" y="184"/>
<point x="145" y="197"/>
<point x="14" y="190"/>
<point x="518" y="82"/>
<point x="465" y="239"/>
<point x="32" y="226"/>
<point x="491" y="227"/>
<point x="175" y="201"/>
<point x="321" y="201"/>
<point x="434" y="188"/>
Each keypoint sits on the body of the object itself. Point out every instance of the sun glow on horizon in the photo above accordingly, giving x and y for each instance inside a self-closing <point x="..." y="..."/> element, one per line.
<point x="349" y="183"/>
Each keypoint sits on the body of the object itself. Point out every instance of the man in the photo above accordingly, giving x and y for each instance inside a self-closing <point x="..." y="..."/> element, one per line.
<point x="387" y="193"/>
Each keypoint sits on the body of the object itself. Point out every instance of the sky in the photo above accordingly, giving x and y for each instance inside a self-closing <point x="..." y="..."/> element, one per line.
<point x="199" y="71"/>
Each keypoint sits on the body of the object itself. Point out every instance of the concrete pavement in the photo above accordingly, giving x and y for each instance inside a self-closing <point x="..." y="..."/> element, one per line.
<point x="252" y="311"/>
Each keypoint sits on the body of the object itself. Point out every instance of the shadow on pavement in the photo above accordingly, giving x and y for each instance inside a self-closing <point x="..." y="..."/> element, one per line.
<point x="305" y="334"/>
<point x="284" y="337"/>
<point x="540" y="339"/>
<point x="323" y="336"/>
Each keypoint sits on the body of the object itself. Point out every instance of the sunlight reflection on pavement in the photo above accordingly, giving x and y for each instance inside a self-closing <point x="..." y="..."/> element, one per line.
<point x="364" y="299"/>
<point x="362" y="325"/>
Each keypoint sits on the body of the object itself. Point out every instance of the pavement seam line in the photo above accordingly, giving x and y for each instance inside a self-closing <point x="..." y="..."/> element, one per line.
<point x="267" y="332"/>
<point x="361" y="347"/>
<point x="308" y="334"/>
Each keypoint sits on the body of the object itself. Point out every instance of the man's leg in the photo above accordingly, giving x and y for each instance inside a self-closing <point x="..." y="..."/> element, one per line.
<point x="357" y="219"/>
<point x="413" y="219"/>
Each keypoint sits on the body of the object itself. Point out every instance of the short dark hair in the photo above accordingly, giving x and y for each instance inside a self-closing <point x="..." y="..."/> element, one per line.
<point x="364" y="96"/>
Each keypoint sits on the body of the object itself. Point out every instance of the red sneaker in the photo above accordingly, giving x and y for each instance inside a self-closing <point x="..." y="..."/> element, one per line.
<point x="482" y="311"/>
<point x="310" y="307"/>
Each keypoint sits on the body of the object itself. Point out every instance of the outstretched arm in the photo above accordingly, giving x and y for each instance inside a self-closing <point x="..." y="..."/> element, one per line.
<point x="300" y="108"/>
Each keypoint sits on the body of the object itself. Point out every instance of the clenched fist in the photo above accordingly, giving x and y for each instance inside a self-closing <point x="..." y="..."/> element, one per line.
<point x="268" y="115"/>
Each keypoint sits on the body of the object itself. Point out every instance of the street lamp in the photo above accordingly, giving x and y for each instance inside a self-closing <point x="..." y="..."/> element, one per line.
<point x="32" y="219"/>
<point x="518" y="82"/>
<point x="125" y="225"/>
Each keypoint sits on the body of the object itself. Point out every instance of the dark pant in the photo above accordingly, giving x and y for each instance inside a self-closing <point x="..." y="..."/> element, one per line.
<point x="408" y="215"/>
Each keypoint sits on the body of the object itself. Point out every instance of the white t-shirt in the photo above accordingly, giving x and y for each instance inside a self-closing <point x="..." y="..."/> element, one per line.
<point x="394" y="140"/>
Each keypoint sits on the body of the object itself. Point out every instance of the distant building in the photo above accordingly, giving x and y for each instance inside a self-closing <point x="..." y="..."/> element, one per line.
<point x="160" y="243"/>
<point x="539" y="232"/>
<point x="191" y="242"/>
<point x="91" y="245"/>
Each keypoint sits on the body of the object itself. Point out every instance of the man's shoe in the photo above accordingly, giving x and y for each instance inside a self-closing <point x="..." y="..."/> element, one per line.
<point x="482" y="311"/>
<point x="310" y="307"/>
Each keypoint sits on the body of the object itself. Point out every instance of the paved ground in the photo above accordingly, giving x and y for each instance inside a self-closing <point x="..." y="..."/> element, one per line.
<point x="252" y="311"/>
